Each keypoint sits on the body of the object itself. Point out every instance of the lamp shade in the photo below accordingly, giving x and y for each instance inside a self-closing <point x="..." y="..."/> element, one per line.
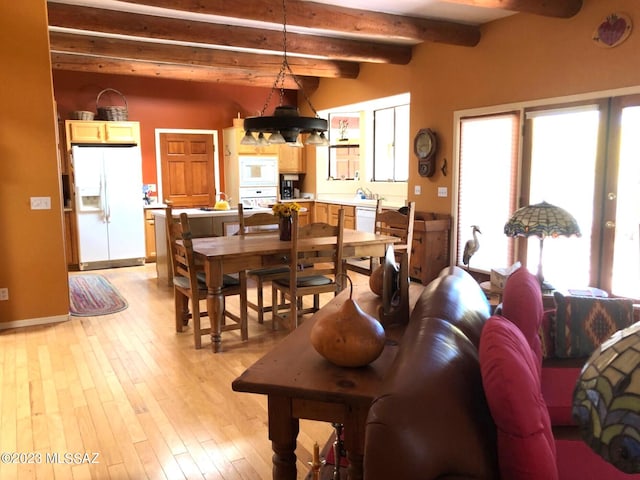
<point x="606" y="400"/>
<point x="541" y="220"/>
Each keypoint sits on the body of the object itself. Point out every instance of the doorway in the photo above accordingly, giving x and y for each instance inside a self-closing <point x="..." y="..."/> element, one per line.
<point x="188" y="168"/>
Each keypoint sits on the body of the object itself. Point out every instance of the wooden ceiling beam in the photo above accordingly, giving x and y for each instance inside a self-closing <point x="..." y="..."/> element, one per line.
<point x="332" y="18"/>
<point x="196" y="56"/>
<point x="87" y="63"/>
<point x="150" y="26"/>
<point x="547" y="8"/>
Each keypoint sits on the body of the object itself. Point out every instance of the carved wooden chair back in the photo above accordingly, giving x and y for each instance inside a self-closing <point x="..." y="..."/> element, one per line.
<point x="314" y="267"/>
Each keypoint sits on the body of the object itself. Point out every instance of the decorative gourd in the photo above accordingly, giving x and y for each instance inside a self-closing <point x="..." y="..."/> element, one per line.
<point x="350" y="337"/>
<point x="376" y="280"/>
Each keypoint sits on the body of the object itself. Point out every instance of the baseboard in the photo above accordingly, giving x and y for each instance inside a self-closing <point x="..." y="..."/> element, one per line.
<point x="34" y="321"/>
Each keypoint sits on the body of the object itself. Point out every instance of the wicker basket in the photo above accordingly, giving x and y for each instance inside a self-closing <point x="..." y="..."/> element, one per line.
<point x="81" y="115"/>
<point x="112" y="113"/>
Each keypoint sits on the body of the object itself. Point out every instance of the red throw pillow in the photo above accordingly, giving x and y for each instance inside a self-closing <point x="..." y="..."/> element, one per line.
<point x="522" y="304"/>
<point x="526" y="448"/>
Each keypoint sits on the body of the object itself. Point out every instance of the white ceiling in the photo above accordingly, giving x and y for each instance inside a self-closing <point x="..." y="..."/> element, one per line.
<point x="426" y="8"/>
<point x="433" y="9"/>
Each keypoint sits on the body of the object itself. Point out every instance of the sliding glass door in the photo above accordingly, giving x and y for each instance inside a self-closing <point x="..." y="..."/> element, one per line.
<point x="560" y="161"/>
<point x="582" y="157"/>
<point x="620" y="269"/>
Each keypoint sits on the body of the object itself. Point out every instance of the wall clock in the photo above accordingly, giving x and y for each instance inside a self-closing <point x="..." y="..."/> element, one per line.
<point x="425" y="145"/>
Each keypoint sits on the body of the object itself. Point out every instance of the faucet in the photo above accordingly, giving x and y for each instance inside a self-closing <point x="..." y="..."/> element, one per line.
<point x="369" y="194"/>
<point x="361" y="193"/>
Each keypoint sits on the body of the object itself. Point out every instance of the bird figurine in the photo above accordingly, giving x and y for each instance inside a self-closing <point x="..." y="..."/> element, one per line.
<point x="471" y="247"/>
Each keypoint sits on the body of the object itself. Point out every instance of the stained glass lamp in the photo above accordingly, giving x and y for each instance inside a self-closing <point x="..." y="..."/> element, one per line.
<point x="606" y="400"/>
<point x="541" y="220"/>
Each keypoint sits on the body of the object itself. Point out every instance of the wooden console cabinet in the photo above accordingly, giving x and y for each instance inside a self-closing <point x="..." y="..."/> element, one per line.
<point x="430" y="246"/>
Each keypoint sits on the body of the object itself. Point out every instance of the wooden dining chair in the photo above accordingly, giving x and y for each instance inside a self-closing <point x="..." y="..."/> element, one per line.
<point x="313" y="269"/>
<point x="260" y="223"/>
<point x="395" y="223"/>
<point x="189" y="284"/>
<point x="173" y="233"/>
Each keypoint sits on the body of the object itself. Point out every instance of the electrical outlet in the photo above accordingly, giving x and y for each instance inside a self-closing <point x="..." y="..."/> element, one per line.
<point x="40" y="203"/>
<point x="442" y="191"/>
<point x="4" y="294"/>
<point x="417" y="190"/>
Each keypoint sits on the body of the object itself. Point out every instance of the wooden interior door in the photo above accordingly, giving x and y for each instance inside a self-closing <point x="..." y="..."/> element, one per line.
<point x="188" y="169"/>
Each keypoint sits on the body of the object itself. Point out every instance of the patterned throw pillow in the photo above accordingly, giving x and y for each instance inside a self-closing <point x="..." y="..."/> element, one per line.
<point x="583" y="323"/>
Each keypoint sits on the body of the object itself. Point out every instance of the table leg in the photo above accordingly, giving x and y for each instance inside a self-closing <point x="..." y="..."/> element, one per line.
<point x="283" y="432"/>
<point x="355" y="470"/>
<point x="354" y="441"/>
<point x="215" y="301"/>
<point x="215" y="307"/>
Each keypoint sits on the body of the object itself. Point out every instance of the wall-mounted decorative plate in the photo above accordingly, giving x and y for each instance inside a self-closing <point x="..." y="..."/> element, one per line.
<point x="613" y="30"/>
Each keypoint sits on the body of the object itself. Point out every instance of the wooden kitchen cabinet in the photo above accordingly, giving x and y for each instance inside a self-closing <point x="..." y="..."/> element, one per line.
<point x="61" y="143"/>
<point x="344" y="160"/>
<point x="328" y="213"/>
<point x="84" y="131"/>
<point x="149" y="234"/>
<point x="321" y="212"/>
<point x="304" y="218"/>
<point x="349" y="215"/>
<point x="430" y="246"/>
<point x="291" y="159"/>
<point x="232" y="146"/>
<point x="71" y="248"/>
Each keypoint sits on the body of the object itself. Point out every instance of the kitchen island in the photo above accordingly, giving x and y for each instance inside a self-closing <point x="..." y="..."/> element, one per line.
<point x="203" y="223"/>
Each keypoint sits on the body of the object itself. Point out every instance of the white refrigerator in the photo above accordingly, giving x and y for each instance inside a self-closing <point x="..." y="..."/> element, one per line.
<point x="109" y="206"/>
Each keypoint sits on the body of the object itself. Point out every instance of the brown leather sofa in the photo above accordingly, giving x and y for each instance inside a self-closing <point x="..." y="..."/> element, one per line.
<point x="432" y="419"/>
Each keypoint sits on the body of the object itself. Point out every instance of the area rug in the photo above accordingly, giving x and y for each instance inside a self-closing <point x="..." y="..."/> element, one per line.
<point x="93" y="295"/>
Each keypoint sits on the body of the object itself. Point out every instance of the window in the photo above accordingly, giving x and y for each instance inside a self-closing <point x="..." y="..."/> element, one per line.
<point x="581" y="157"/>
<point x="487" y="186"/>
<point x="563" y="155"/>
<point x="344" y="152"/>
<point x="391" y="144"/>
<point x="622" y="239"/>
<point x="368" y="142"/>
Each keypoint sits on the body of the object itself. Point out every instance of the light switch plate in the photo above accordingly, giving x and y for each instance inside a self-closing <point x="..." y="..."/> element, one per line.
<point x="417" y="190"/>
<point x="4" y="294"/>
<point x="442" y="191"/>
<point x="40" y="203"/>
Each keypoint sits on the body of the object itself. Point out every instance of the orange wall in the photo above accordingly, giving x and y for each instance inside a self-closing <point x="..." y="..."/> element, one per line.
<point x="158" y="103"/>
<point x="32" y="265"/>
<point x="520" y="58"/>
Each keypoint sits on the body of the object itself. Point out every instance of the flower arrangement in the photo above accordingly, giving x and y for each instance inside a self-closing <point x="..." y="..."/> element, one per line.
<point x="285" y="209"/>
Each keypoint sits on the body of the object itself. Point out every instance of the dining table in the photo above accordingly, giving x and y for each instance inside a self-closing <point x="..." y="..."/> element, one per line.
<point x="232" y="254"/>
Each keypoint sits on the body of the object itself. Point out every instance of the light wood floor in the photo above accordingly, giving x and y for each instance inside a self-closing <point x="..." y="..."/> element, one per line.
<point x="128" y="388"/>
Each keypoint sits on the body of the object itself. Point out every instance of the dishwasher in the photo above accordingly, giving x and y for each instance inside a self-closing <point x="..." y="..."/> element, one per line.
<point x="366" y="219"/>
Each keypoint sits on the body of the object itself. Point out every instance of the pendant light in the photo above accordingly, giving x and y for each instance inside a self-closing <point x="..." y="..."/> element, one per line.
<point x="286" y="123"/>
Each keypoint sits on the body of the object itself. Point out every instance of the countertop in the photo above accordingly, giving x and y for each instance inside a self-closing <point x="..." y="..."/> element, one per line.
<point x="360" y="202"/>
<point x="356" y="202"/>
<point x="158" y="208"/>
<point x="196" y="212"/>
